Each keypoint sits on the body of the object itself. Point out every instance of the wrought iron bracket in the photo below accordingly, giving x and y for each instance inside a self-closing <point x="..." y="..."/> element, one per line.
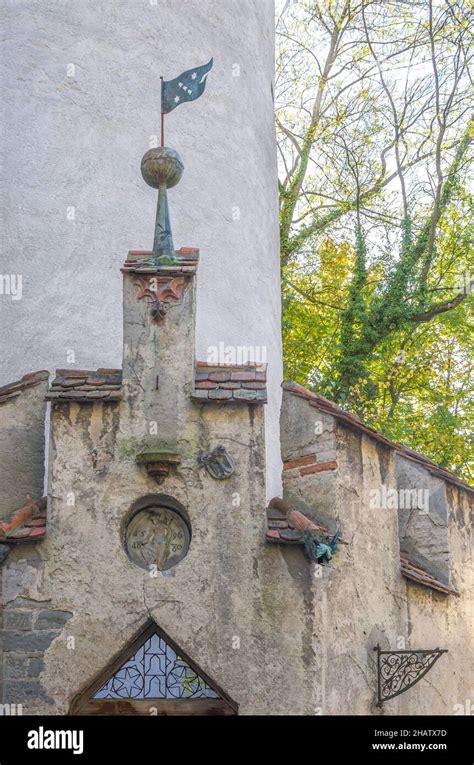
<point x="397" y="671"/>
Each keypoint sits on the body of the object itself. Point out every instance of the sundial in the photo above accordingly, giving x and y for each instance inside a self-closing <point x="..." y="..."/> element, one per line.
<point x="157" y="536"/>
<point x="162" y="167"/>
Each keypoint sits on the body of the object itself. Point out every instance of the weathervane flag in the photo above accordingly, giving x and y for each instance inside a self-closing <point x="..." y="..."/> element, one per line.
<point x="162" y="167"/>
<point x="187" y="87"/>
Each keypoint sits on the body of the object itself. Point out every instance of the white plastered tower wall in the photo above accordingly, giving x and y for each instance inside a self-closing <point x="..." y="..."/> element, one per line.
<point x="81" y="91"/>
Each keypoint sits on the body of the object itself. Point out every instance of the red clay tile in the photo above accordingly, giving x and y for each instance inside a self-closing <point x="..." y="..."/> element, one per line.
<point x="35" y="522"/>
<point x="40" y="531"/>
<point x="18" y="517"/>
<point x="219" y="376"/>
<point x="27" y="381"/>
<point x="254" y="385"/>
<point x="220" y="395"/>
<point x="233" y="383"/>
<point x="273" y="534"/>
<point x="205" y="384"/>
<point x="243" y="376"/>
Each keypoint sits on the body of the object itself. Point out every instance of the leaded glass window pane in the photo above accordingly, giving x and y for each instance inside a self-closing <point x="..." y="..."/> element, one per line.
<point x="155" y="672"/>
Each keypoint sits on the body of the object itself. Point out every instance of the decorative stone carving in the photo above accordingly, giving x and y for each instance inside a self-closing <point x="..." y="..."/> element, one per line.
<point x="158" y="464"/>
<point x="218" y="463"/>
<point x="161" y="292"/>
<point x="157" y="536"/>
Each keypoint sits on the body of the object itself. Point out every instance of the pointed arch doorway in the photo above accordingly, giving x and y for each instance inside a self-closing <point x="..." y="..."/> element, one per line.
<point x="152" y="676"/>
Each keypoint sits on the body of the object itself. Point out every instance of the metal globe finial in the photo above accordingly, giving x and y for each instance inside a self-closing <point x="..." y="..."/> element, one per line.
<point x="162" y="165"/>
<point x="162" y="169"/>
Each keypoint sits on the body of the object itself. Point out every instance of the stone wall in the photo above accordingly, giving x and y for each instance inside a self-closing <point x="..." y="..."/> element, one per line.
<point x="203" y="603"/>
<point x="28" y="629"/>
<point x="22" y="441"/>
<point x="211" y="602"/>
<point x="308" y="448"/>
<point x="278" y="633"/>
<point x="363" y="600"/>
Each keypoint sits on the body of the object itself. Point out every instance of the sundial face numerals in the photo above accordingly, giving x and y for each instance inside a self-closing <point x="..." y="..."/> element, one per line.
<point x="157" y="536"/>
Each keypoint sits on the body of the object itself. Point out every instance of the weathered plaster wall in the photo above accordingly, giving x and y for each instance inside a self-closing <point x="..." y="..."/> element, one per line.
<point x="306" y="633"/>
<point x="218" y="592"/>
<point x="158" y="363"/>
<point x="447" y="622"/>
<point x="424" y="524"/>
<point x="364" y="600"/>
<point x="22" y="446"/>
<point x="72" y="145"/>
<point x="225" y="587"/>
<point x="306" y="432"/>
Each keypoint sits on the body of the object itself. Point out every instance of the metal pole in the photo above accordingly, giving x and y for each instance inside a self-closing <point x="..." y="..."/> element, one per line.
<point x="162" y="116"/>
<point x="379" y="683"/>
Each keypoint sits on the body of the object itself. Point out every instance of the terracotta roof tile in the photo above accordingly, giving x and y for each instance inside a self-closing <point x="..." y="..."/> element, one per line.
<point x="416" y="573"/>
<point x="324" y="405"/>
<point x="140" y="262"/>
<point x="230" y="383"/>
<point x="27" y="523"/>
<point x="208" y="366"/>
<point x="286" y="525"/>
<point x="86" y="386"/>
<point x="13" y="389"/>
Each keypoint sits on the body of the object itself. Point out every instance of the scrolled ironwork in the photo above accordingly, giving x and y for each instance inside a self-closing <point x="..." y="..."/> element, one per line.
<point x="398" y="671"/>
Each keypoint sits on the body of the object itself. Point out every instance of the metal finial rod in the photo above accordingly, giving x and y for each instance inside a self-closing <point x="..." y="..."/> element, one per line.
<point x="162" y="116"/>
<point x="163" y="240"/>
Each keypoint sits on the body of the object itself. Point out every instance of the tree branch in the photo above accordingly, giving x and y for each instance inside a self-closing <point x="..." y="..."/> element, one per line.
<point x="441" y="308"/>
